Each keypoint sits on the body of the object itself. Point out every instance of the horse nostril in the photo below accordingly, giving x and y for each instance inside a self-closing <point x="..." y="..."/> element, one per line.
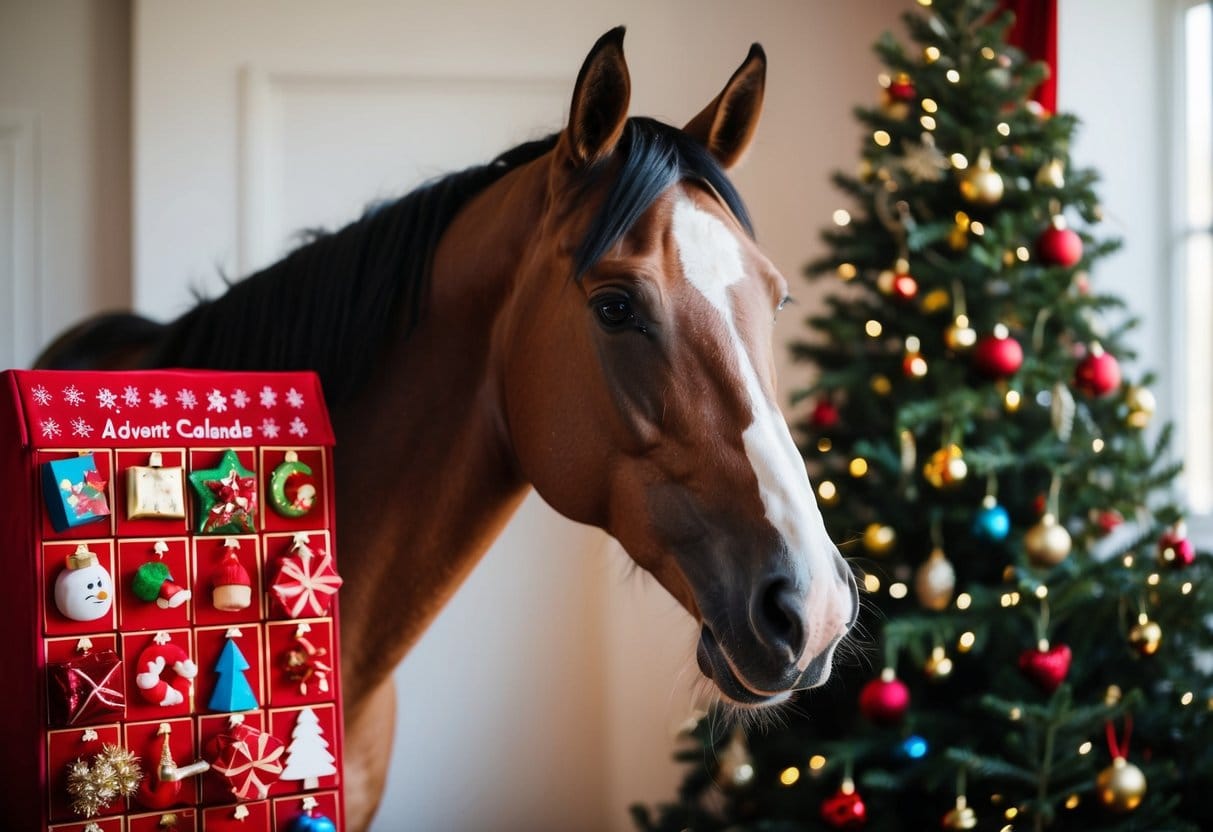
<point x="779" y="623"/>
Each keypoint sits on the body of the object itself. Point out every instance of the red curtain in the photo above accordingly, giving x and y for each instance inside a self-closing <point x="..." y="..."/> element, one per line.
<point x="1035" y="32"/>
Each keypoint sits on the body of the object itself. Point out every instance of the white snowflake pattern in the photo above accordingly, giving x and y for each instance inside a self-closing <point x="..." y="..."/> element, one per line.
<point x="294" y="398"/>
<point x="42" y="396"/>
<point x="268" y="397"/>
<point x="216" y="402"/>
<point x="187" y="399"/>
<point x="240" y="399"/>
<point x="50" y="429"/>
<point x="130" y="396"/>
<point x="157" y="398"/>
<point x="81" y="428"/>
<point x="73" y="396"/>
<point x="107" y="398"/>
<point x="298" y="428"/>
<point x="269" y="428"/>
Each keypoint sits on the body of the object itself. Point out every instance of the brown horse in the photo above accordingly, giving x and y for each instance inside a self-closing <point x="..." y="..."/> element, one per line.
<point x="588" y="315"/>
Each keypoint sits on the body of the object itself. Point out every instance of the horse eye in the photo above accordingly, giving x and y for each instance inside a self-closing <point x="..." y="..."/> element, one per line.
<point x="614" y="312"/>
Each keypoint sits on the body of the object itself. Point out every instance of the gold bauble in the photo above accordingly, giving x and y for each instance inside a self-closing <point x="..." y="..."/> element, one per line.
<point x="1051" y="175"/>
<point x="1121" y="786"/>
<point x="961" y="817"/>
<point x="959" y="335"/>
<point x="938" y="666"/>
<point x="946" y="467"/>
<point x="1047" y="543"/>
<point x="934" y="581"/>
<point x="980" y="183"/>
<point x="1141" y="404"/>
<point x="1146" y="636"/>
<point x="879" y="539"/>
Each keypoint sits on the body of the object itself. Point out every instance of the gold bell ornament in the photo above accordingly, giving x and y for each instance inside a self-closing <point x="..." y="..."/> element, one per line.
<point x="1145" y="635"/>
<point x="980" y="183"/>
<point x="1121" y="786"/>
<point x="1052" y="174"/>
<point x="1047" y="543"/>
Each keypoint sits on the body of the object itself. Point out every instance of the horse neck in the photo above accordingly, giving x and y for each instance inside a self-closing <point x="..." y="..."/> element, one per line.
<point x="424" y="465"/>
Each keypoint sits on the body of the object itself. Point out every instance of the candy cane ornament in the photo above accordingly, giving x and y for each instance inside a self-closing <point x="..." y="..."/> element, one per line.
<point x="154" y="660"/>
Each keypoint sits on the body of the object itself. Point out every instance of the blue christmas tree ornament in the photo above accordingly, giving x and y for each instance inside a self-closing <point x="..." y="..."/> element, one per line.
<point x="312" y="822"/>
<point x="232" y="690"/>
<point x="992" y="523"/>
<point x="913" y="747"/>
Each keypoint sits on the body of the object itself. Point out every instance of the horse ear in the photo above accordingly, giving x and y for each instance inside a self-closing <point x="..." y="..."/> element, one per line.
<point x="600" y="101"/>
<point x="727" y="125"/>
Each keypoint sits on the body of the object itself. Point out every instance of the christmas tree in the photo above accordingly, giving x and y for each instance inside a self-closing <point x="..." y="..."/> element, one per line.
<point x="1036" y="619"/>
<point x="307" y="757"/>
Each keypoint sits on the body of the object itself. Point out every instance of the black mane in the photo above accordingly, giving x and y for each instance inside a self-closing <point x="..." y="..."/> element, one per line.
<point x="329" y="305"/>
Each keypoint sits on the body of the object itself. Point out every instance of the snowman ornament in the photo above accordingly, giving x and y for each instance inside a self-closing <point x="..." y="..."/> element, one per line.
<point x="84" y="590"/>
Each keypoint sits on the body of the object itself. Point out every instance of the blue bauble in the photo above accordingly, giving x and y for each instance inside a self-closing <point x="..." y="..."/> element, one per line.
<point x="992" y="522"/>
<point x="313" y="823"/>
<point x="913" y="747"/>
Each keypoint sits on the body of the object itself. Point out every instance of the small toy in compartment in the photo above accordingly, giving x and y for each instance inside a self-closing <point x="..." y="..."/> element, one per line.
<point x="249" y="759"/>
<point x="306" y="582"/>
<point x="112" y="774"/>
<point x="304" y="663"/>
<point x="157" y="658"/>
<point x="227" y="497"/>
<point x="161" y="788"/>
<point x="232" y="691"/>
<point x="308" y="758"/>
<point x="292" y="487"/>
<point x="87" y="688"/>
<point x="155" y="492"/>
<point x="231" y="587"/>
<point x="312" y="819"/>
<point x="84" y="590"/>
<point x="74" y="491"/>
<point x="154" y="582"/>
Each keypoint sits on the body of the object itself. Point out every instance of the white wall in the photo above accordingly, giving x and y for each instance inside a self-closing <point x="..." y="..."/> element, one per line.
<point x="64" y="167"/>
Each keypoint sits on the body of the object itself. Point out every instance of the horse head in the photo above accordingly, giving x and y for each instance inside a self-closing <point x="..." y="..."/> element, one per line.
<point x="638" y="380"/>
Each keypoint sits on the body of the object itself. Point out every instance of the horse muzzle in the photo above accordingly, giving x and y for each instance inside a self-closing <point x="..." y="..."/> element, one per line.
<point x="774" y="652"/>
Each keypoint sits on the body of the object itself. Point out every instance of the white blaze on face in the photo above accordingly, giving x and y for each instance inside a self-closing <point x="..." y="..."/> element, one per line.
<point x="711" y="262"/>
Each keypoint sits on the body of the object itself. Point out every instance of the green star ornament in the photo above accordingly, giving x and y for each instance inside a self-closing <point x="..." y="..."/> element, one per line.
<point x="227" y="497"/>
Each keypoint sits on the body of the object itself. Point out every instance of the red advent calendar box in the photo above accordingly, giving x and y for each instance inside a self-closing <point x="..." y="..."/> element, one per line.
<point x="170" y="622"/>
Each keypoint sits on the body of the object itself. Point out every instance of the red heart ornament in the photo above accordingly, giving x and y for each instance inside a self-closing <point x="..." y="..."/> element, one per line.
<point x="1047" y="668"/>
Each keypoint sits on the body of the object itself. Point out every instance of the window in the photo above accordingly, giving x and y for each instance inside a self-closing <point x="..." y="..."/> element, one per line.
<point x="1193" y="250"/>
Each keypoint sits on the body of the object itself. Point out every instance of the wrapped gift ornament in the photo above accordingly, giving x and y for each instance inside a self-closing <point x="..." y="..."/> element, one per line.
<point x="74" y="491"/>
<point x="306" y="581"/>
<point x="249" y="759"/>
<point x="227" y="497"/>
<point x="155" y="492"/>
<point x="84" y="590"/>
<point x="87" y="688"/>
<point x="292" y="487"/>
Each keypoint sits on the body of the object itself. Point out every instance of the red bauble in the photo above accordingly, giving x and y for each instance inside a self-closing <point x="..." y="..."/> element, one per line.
<point x="824" y="415"/>
<point x="885" y="700"/>
<point x="844" y="809"/>
<point x="1098" y="374"/>
<point x="1108" y="520"/>
<point x="1048" y="667"/>
<point x="902" y="88"/>
<point x="1174" y="548"/>
<point x="905" y="287"/>
<point x="998" y="355"/>
<point x="1059" y="246"/>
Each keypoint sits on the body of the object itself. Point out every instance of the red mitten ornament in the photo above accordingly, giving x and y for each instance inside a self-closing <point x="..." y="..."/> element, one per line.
<point x="1046" y="666"/>
<point x="1098" y="374"/>
<point x="88" y="688"/>
<point x="885" y="700"/>
<point x="306" y="581"/>
<point x="249" y="759"/>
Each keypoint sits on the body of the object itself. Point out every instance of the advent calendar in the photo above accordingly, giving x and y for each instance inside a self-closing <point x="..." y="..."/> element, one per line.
<point x="168" y="635"/>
